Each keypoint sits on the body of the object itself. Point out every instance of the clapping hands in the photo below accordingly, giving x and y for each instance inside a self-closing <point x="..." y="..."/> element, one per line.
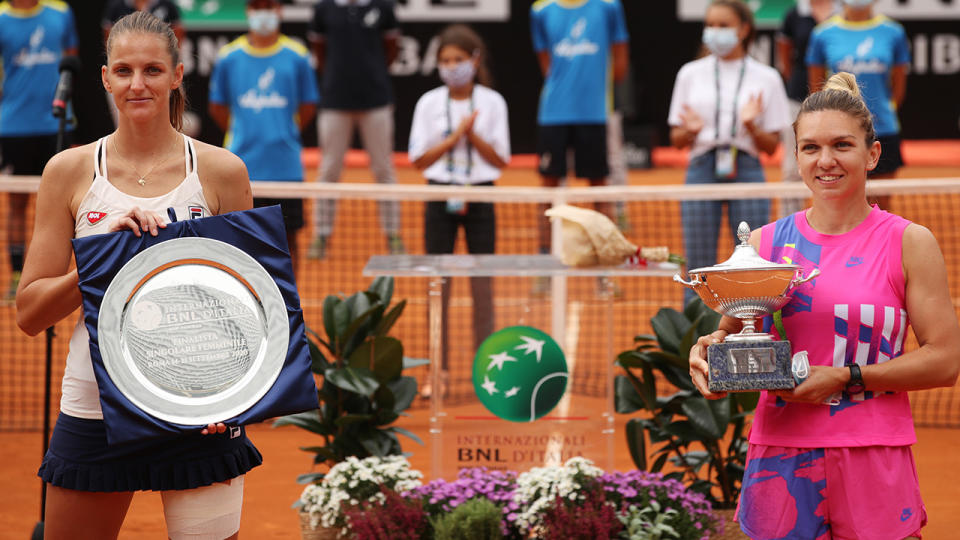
<point x="751" y="110"/>
<point x="691" y="121"/>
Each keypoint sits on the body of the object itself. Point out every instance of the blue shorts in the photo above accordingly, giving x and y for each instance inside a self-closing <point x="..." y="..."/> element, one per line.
<point x="79" y="458"/>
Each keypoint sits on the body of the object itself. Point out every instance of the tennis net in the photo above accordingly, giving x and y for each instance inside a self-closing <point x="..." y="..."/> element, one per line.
<point x="649" y="216"/>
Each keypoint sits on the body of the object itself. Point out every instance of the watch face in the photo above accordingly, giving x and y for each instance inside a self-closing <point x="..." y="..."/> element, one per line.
<point x="855" y="388"/>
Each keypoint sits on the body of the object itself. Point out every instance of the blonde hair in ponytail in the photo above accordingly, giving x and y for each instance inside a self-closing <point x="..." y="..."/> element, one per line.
<point x="840" y="93"/>
<point x="144" y="22"/>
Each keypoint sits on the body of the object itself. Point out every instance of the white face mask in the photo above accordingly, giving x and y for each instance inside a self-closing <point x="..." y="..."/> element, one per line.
<point x="720" y="41"/>
<point x="857" y="3"/>
<point x="458" y="75"/>
<point x="263" y="21"/>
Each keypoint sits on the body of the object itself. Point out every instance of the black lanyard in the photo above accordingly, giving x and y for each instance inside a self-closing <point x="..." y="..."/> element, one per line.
<point x="469" y="145"/>
<point x="733" y="124"/>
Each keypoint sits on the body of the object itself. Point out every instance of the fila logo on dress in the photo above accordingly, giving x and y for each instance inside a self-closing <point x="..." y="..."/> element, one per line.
<point x="94" y="217"/>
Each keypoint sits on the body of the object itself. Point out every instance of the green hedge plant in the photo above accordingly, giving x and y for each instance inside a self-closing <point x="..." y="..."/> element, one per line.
<point x="704" y="439"/>
<point x="363" y="388"/>
<point x="476" y="519"/>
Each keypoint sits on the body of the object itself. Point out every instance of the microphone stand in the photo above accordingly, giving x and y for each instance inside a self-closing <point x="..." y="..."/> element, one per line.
<point x="48" y="376"/>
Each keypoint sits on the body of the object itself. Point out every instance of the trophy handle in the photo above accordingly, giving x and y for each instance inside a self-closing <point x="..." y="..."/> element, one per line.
<point x="691" y="284"/>
<point x="814" y="273"/>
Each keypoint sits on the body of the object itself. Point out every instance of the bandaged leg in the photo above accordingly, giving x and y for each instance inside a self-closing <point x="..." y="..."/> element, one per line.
<point x="204" y="513"/>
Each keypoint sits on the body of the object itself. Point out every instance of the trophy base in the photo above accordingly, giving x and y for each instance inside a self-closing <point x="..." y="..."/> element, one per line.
<point x="745" y="366"/>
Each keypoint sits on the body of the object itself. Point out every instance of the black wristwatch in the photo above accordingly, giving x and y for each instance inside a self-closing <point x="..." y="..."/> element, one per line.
<point x="855" y="384"/>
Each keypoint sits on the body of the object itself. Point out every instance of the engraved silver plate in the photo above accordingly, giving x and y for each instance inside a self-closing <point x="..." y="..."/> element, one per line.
<point x="193" y="331"/>
<point x="755" y="360"/>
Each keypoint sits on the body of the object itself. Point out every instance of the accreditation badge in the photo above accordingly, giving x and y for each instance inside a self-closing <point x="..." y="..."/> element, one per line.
<point x="726" y="162"/>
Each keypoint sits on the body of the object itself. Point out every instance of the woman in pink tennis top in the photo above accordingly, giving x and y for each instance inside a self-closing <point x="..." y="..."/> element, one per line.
<point x="832" y="458"/>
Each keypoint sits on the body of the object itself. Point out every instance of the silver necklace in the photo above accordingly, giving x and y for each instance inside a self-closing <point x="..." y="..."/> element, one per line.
<point x="141" y="178"/>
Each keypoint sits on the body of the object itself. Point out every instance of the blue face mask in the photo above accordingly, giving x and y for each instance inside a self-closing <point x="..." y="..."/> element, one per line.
<point x="458" y="75"/>
<point x="720" y="41"/>
<point x="263" y="21"/>
<point x="857" y="3"/>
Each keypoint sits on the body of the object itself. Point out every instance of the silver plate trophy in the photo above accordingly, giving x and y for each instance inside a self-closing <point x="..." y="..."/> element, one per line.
<point x="193" y="331"/>
<point x="748" y="287"/>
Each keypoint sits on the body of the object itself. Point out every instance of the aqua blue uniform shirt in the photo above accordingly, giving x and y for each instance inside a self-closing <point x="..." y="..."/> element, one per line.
<point x="578" y="35"/>
<point x="869" y="50"/>
<point x="32" y="42"/>
<point x="264" y="89"/>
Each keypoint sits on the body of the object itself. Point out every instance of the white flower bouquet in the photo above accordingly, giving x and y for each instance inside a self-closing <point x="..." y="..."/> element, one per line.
<point x="353" y="482"/>
<point x="538" y="488"/>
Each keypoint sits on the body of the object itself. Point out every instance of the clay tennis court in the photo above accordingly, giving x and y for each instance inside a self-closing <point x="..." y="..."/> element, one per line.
<point x="270" y="489"/>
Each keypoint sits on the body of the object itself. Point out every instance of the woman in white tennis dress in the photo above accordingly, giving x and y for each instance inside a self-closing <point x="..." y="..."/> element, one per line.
<point x="126" y="182"/>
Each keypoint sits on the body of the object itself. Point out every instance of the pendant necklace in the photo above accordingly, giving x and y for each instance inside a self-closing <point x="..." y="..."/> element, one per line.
<point x="141" y="178"/>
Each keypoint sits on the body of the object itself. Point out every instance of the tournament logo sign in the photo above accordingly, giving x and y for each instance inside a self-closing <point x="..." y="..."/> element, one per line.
<point x="520" y="373"/>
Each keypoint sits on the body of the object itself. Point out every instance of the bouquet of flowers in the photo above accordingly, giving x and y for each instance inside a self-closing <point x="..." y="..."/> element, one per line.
<point x="353" y="482"/>
<point x="589" y="238"/>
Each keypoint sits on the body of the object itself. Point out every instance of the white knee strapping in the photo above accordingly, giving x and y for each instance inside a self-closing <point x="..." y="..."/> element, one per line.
<point x="204" y="513"/>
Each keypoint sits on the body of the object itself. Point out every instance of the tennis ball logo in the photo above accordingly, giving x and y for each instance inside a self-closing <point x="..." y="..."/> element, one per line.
<point x="519" y="373"/>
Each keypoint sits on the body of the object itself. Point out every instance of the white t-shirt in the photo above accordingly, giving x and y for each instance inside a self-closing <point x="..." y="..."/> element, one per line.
<point x="696" y="87"/>
<point x="431" y="124"/>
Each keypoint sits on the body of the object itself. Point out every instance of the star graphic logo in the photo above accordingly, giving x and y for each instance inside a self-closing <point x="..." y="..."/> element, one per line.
<point x="519" y="373"/>
<point x="530" y="345"/>
<point x="489" y="386"/>
<point x="497" y="360"/>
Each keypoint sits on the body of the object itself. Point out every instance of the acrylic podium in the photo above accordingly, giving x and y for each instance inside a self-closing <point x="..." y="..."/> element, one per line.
<point x="534" y="298"/>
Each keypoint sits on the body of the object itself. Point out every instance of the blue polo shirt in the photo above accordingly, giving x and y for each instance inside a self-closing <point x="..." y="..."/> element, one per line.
<point x="869" y="50"/>
<point x="578" y="36"/>
<point x="32" y="42"/>
<point x="264" y="88"/>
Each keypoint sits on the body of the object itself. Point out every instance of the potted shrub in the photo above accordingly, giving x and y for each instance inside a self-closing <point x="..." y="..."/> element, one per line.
<point x="363" y="389"/>
<point x="705" y="439"/>
<point x="354" y="484"/>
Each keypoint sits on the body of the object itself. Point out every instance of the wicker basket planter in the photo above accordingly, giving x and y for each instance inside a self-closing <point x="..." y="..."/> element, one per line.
<point x="320" y="533"/>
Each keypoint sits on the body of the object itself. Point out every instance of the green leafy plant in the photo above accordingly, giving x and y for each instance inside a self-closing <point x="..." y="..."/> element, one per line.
<point x="363" y="390"/>
<point x="648" y="523"/>
<point x="477" y="519"/>
<point x="703" y="438"/>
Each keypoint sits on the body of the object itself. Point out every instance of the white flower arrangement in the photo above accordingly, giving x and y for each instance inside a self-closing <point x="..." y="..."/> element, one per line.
<point x="538" y="488"/>
<point x="352" y="482"/>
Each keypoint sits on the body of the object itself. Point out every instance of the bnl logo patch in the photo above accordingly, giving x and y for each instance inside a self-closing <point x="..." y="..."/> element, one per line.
<point x="520" y="373"/>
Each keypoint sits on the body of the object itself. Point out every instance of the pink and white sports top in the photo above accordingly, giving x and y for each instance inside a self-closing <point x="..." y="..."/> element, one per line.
<point x="854" y="312"/>
<point x="102" y="204"/>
